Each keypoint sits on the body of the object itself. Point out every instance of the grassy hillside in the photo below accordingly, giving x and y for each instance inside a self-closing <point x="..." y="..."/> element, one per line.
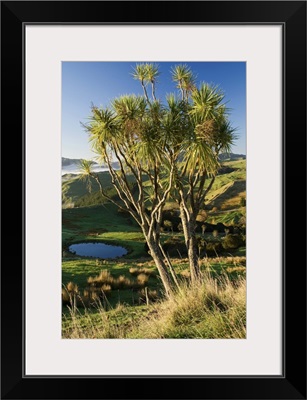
<point x="122" y="298"/>
<point x="212" y="309"/>
<point x="74" y="189"/>
<point x="229" y="188"/>
<point x="76" y="192"/>
<point x="227" y="198"/>
<point x="102" y="223"/>
<point x="228" y="192"/>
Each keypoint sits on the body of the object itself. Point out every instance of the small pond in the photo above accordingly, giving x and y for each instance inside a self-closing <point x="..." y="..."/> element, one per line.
<point x="99" y="250"/>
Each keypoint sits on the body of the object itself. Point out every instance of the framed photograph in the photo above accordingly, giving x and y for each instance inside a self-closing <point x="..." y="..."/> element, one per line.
<point x="162" y="157"/>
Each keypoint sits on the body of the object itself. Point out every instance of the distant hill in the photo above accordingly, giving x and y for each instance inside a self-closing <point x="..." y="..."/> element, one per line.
<point x="226" y="197"/>
<point x="70" y="161"/>
<point x="75" y="192"/>
<point x="231" y="157"/>
<point x="72" y="166"/>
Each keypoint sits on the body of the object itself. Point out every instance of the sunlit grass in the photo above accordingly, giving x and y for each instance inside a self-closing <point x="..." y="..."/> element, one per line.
<point x="214" y="308"/>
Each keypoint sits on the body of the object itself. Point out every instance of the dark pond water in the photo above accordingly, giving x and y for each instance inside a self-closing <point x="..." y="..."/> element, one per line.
<point x="99" y="250"/>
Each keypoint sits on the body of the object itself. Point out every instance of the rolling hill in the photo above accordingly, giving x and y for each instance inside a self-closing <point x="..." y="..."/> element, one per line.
<point x="225" y="201"/>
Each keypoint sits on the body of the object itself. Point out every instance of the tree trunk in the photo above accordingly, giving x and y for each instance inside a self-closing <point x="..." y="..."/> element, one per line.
<point x="145" y="91"/>
<point x="193" y="258"/>
<point x="157" y="256"/>
<point x="153" y="91"/>
<point x="188" y="225"/>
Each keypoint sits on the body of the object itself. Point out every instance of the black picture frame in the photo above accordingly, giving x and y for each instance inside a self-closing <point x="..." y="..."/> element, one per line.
<point x="292" y="16"/>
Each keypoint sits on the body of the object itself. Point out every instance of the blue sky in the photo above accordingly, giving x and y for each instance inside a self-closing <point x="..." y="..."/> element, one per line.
<point x="84" y="83"/>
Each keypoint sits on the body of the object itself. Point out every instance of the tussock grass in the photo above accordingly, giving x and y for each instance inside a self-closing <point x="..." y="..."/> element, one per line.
<point x="213" y="308"/>
<point x="104" y="277"/>
<point x="72" y="287"/>
<point x="142" y="279"/>
<point x="236" y="270"/>
<point x="185" y="273"/>
<point x="121" y="282"/>
<point x="137" y="270"/>
<point x="70" y="294"/>
<point x="65" y="296"/>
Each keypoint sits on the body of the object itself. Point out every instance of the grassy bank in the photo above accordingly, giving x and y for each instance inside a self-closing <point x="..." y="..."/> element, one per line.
<point x="215" y="308"/>
<point x="102" y="223"/>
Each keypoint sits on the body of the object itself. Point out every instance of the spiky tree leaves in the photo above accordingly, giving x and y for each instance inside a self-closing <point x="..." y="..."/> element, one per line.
<point x="147" y="74"/>
<point x="86" y="171"/>
<point x="174" y="145"/>
<point x="186" y="81"/>
<point x="198" y="130"/>
<point x="130" y="132"/>
<point x="152" y="75"/>
<point x="140" y="74"/>
<point x="207" y="102"/>
<point x="224" y="135"/>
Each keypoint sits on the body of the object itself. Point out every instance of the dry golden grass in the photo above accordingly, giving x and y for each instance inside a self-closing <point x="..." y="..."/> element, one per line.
<point x="137" y="270"/>
<point x="239" y="270"/>
<point x="202" y="216"/>
<point x="142" y="279"/>
<point x="65" y="296"/>
<point x="134" y="270"/>
<point x="212" y="308"/>
<point x="106" y="288"/>
<point x="104" y="277"/>
<point x="121" y="282"/>
<point x="237" y="260"/>
<point x="72" y="287"/>
<point x="185" y="273"/>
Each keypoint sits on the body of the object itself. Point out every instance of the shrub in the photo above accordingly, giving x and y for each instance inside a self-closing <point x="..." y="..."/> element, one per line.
<point x="220" y="227"/>
<point x="202" y="216"/>
<point x="168" y="225"/>
<point x="175" y="247"/>
<point x="203" y="228"/>
<point x="201" y="245"/>
<point x="215" y="233"/>
<point x="243" y="202"/>
<point x="173" y="219"/>
<point x="242" y="220"/>
<point x="213" y="249"/>
<point x="232" y="241"/>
